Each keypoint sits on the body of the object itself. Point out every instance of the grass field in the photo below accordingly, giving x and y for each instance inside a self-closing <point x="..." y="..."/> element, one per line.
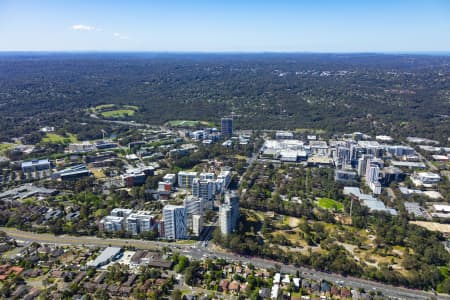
<point x="185" y="242"/>
<point x="6" y="146"/>
<point x="133" y="107"/>
<point x="187" y="123"/>
<point x="104" y="106"/>
<point x="115" y="111"/>
<point x="59" y="139"/>
<point x="118" y="113"/>
<point x="331" y="204"/>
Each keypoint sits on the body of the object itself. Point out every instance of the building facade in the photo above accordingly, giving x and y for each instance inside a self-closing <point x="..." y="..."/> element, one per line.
<point x="226" y="128"/>
<point x="185" y="179"/>
<point x="175" y="222"/>
<point x="229" y="213"/>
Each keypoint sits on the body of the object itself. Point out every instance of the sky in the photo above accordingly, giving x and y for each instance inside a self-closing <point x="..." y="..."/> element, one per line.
<point x="226" y="25"/>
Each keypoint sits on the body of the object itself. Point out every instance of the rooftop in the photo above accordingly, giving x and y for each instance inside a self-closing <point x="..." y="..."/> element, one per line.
<point x="106" y="255"/>
<point x="35" y="162"/>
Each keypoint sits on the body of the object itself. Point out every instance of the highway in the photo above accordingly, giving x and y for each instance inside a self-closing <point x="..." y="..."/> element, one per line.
<point x="197" y="251"/>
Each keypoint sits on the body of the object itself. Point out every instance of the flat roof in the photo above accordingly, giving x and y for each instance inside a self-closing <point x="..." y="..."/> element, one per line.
<point x="429" y="175"/>
<point x="411" y="164"/>
<point x="186" y="173"/>
<point x="35" y="162"/>
<point x="107" y="254"/>
<point x="441" y="207"/>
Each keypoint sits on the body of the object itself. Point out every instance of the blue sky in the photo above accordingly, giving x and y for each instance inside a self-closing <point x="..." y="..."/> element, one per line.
<point x="231" y="25"/>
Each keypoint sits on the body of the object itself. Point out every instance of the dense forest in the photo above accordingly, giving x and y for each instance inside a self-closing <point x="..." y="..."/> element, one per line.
<point x="394" y="94"/>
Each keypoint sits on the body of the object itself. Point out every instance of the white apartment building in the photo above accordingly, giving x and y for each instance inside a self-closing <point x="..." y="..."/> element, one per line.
<point x="111" y="223"/>
<point x="139" y="222"/>
<point x="185" y="179"/>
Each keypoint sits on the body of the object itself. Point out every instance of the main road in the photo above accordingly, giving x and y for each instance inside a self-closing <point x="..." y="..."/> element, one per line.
<point x="197" y="251"/>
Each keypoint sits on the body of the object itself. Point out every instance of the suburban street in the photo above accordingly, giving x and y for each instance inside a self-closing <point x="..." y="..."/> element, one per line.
<point x="198" y="251"/>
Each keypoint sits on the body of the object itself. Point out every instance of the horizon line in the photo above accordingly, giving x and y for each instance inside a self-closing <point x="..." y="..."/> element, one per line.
<point x="418" y="52"/>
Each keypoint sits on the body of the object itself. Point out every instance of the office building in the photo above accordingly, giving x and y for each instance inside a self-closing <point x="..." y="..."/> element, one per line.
<point x="137" y="176"/>
<point x="82" y="147"/>
<point x="175" y="222"/>
<point x="362" y="164"/>
<point x="399" y="150"/>
<point x="345" y="176"/>
<point x="185" y="179"/>
<point x="425" y="178"/>
<point x="391" y="174"/>
<point x="284" y="135"/>
<point x="226" y="127"/>
<point x="372" y="172"/>
<point x="105" y="144"/>
<point x="343" y="155"/>
<point x="372" y="176"/>
<point x="35" y="165"/>
<point x="71" y="173"/>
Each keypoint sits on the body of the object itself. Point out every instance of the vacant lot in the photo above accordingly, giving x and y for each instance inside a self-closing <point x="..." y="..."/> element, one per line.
<point x="433" y="226"/>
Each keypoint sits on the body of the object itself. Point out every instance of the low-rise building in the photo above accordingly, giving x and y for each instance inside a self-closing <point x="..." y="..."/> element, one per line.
<point x="170" y="178"/>
<point x="345" y="176"/>
<point x="36" y="165"/>
<point x="425" y="178"/>
<point x="82" y="147"/>
<point x="108" y="254"/>
<point x="111" y="224"/>
<point x="71" y="173"/>
<point x="139" y="222"/>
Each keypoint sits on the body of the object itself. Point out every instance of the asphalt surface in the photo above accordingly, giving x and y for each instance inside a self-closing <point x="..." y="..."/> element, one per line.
<point x="199" y="251"/>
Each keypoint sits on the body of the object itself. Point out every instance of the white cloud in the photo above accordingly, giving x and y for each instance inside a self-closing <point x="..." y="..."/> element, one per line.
<point x="83" y="27"/>
<point x="120" y="36"/>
